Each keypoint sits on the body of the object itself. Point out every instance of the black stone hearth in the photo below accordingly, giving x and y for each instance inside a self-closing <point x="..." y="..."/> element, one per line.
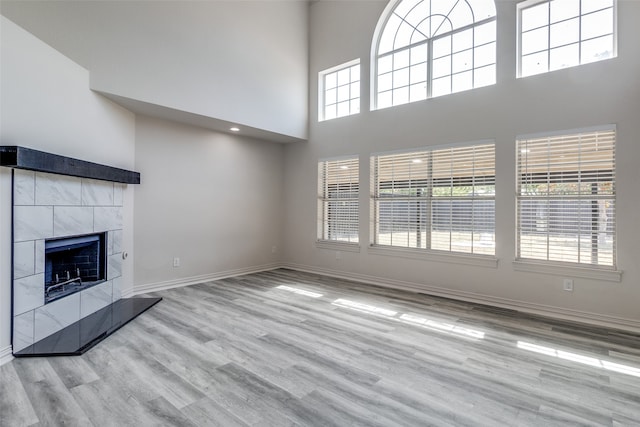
<point x="79" y="337"/>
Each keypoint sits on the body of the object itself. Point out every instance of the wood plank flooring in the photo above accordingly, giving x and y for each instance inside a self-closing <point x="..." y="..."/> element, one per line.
<point x="284" y="348"/>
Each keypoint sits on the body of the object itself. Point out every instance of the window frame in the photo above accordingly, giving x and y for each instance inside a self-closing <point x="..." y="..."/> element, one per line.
<point x="450" y="255"/>
<point x="322" y="91"/>
<point x="526" y="4"/>
<point x="324" y="215"/>
<point x="554" y="266"/>
<point x="378" y="34"/>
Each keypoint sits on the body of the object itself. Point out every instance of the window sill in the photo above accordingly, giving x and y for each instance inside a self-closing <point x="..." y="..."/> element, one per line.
<point x="568" y="270"/>
<point x="425" y="255"/>
<point x="338" y="246"/>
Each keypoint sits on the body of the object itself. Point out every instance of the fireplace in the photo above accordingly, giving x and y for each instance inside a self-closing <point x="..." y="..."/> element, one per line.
<point x="73" y="264"/>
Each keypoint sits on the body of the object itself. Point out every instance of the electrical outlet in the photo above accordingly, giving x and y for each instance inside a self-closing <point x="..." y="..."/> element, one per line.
<point x="176" y="262"/>
<point x="567" y="285"/>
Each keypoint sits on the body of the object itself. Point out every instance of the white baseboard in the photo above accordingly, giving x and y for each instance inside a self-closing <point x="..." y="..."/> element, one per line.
<point x="169" y="284"/>
<point x="594" y="319"/>
<point x="6" y="355"/>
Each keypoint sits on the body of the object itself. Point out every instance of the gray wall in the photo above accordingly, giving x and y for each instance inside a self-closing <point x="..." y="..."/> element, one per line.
<point x="211" y="199"/>
<point x="244" y="62"/>
<point x="596" y="94"/>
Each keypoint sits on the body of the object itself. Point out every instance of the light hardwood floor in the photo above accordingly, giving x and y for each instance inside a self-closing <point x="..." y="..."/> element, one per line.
<point x="284" y="348"/>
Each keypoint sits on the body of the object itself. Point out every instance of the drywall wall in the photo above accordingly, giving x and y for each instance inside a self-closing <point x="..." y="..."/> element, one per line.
<point x="47" y="105"/>
<point x="242" y="62"/>
<point x="596" y="94"/>
<point x="210" y="199"/>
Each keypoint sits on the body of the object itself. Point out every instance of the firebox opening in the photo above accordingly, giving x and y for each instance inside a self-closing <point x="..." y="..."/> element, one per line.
<point x="73" y="264"/>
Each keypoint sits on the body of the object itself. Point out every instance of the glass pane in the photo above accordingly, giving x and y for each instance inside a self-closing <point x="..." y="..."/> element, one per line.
<point x="419" y="54"/>
<point x="463" y="40"/>
<point x="534" y="17"/>
<point x="593" y="5"/>
<point x="330" y="96"/>
<point x="442" y="47"/>
<point x="355" y="90"/>
<point x="385" y="82"/>
<point x="418" y="92"/>
<point x="441" y="67"/>
<point x="462" y="81"/>
<point x="401" y="96"/>
<point x="401" y="59"/>
<point x="401" y="78"/>
<point x="462" y="61"/>
<point x="563" y="57"/>
<point x="535" y="64"/>
<point x="343" y="109"/>
<point x="441" y="86"/>
<point x="330" y="80"/>
<point x="597" y="49"/>
<point x="484" y="55"/>
<point x="389" y="34"/>
<point x="343" y="77"/>
<point x="535" y="41"/>
<point x="355" y="73"/>
<point x="343" y="93"/>
<point x="484" y="76"/>
<point x="485" y="33"/>
<point x="403" y="36"/>
<point x="330" y="112"/>
<point x="597" y="24"/>
<point x="384" y="99"/>
<point x="385" y="64"/>
<point x="418" y="73"/>
<point x="482" y="9"/>
<point x="461" y="15"/>
<point x="355" y="106"/>
<point x="565" y="9"/>
<point x="565" y="32"/>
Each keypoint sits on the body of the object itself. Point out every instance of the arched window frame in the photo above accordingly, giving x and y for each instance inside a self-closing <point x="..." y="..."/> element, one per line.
<point x="378" y="33"/>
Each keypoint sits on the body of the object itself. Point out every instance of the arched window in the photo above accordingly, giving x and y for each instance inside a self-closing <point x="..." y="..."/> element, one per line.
<point x="428" y="48"/>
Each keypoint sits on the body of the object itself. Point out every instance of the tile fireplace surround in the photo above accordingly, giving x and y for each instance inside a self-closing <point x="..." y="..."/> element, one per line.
<point x="65" y="203"/>
<point x="50" y="206"/>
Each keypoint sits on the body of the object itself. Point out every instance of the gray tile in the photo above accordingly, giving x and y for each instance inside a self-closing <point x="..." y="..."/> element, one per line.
<point x="107" y="218"/>
<point x="58" y="190"/>
<point x="114" y="266"/>
<point x="118" y="196"/>
<point x="97" y="193"/>
<point x="28" y="293"/>
<point x="23" y="259"/>
<point x="95" y="298"/>
<point x="39" y="256"/>
<point x="24" y="187"/>
<point x="32" y="222"/>
<point x="72" y="220"/>
<point x="23" y="330"/>
<point x="56" y="315"/>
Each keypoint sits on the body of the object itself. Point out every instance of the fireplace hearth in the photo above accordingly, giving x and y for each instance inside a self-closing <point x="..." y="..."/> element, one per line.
<point x="73" y="264"/>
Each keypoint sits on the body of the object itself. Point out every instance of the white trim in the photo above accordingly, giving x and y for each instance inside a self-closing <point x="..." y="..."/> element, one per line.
<point x="567" y="132"/>
<point x="435" y="256"/>
<point x="186" y="281"/>
<point x="434" y="147"/>
<point x="568" y="270"/>
<point x="338" y="158"/>
<point x="321" y="91"/>
<point x="336" y="245"/>
<point x="602" y="320"/>
<point x="6" y="355"/>
<point x="373" y="60"/>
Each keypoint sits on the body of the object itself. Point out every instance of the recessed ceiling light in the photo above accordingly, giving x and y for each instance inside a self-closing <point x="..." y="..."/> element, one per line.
<point x="235" y="129"/>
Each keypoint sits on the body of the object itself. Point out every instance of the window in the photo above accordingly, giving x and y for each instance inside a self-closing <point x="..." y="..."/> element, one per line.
<point x="429" y="48"/>
<point x="439" y="199"/>
<point x="556" y="34"/>
<point x="338" y="200"/>
<point x="566" y="197"/>
<point x="339" y="91"/>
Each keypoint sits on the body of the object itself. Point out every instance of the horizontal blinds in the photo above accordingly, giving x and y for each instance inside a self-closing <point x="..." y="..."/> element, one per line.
<point x="566" y="198"/>
<point x="440" y="199"/>
<point x="338" y="187"/>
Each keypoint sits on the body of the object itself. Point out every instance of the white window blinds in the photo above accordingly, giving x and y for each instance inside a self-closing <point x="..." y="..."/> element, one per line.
<point x="441" y="199"/>
<point x="338" y="200"/>
<point x="566" y="198"/>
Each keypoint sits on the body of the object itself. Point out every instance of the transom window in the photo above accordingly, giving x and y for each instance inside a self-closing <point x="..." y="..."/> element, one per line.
<point x="440" y="199"/>
<point x="429" y="48"/>
<point x="339" y="91"/>
<point x="338" y="185"/>
<point x="566" y="197"/>
<point x="556" y="34"/>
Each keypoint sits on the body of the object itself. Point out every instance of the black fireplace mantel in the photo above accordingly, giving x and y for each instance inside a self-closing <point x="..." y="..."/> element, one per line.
<point x="26" y="158"/>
